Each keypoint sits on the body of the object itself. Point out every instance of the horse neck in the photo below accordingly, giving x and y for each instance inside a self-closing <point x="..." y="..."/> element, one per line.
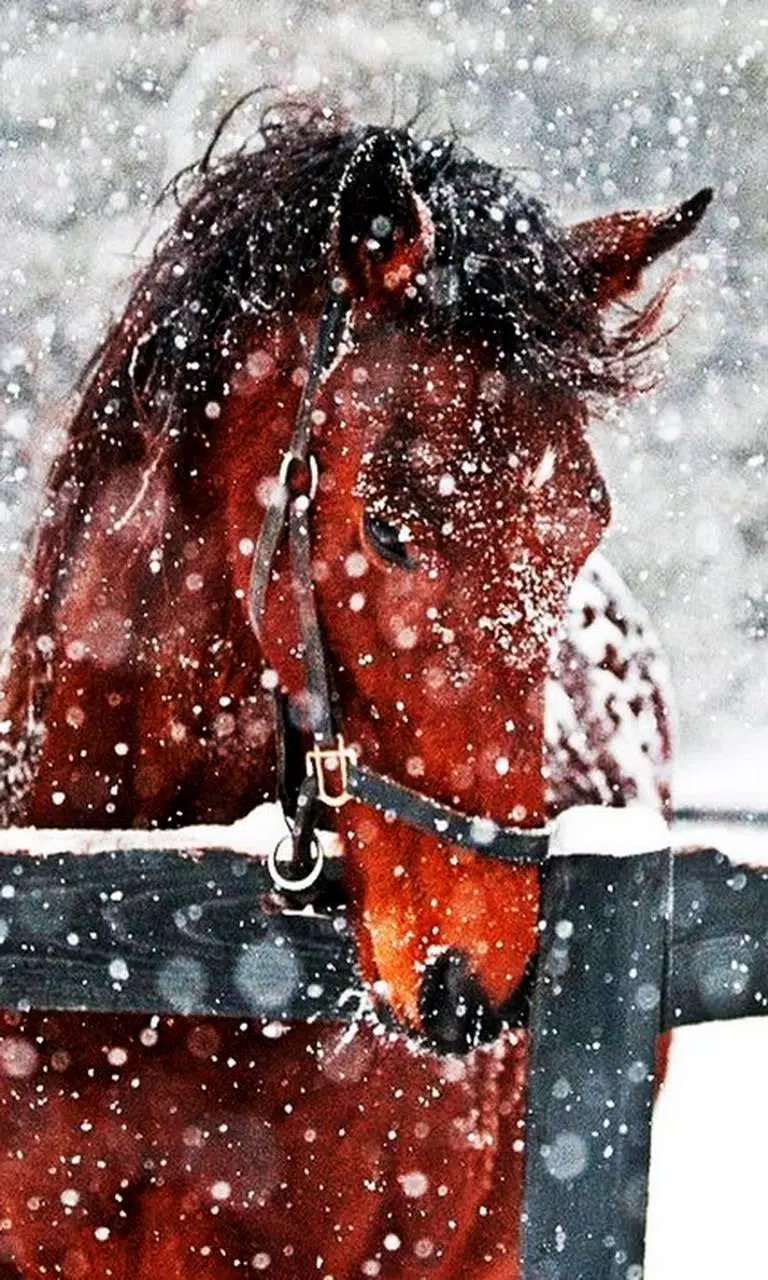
<point x="134" y="694"/>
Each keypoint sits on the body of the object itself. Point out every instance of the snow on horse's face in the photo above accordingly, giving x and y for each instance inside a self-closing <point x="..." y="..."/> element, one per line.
<point x="453" y="512"/>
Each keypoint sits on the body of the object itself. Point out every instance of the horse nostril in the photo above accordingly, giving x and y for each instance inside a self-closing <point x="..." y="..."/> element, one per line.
<point x="456" y="1014"/>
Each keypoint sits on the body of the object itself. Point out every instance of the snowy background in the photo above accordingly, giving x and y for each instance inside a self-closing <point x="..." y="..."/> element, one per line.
<point x="598" y="106"/>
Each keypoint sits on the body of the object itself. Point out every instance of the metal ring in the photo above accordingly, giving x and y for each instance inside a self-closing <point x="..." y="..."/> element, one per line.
<point x="305" y="882"/>
<point x="309" y="462"/>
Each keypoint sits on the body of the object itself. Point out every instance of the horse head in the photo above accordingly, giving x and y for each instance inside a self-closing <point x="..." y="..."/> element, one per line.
<point x="454" y="499"/>
<point x="457" y="499"/>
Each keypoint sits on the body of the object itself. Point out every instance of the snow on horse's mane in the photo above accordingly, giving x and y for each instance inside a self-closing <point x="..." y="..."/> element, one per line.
<point x="610" y="707"/>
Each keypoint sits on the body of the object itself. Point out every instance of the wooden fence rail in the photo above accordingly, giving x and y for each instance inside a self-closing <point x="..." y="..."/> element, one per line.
<point x="630" y="946"/>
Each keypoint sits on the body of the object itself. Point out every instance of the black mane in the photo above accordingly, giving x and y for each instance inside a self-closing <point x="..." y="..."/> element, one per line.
<point x="252" y="241"/>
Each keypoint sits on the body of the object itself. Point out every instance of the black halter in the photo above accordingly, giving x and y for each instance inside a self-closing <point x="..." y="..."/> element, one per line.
<point x="290" y="504"/>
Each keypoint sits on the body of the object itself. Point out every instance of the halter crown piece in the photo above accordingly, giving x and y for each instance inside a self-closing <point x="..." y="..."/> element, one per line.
<point x="289" y="506"/>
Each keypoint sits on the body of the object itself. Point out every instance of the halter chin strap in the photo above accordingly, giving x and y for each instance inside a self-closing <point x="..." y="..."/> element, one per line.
<point x="334" y="775"/>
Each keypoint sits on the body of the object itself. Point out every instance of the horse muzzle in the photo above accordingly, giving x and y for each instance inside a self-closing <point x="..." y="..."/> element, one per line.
<point x="456" y="1014"/>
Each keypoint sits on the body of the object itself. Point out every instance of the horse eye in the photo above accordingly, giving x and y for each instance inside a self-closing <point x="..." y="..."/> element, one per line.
<point x="386" y="541"/>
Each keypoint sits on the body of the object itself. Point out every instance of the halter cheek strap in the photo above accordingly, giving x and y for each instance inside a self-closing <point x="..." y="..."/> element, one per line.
<point x="334" y="775"/>
<point x="297" y="477"/>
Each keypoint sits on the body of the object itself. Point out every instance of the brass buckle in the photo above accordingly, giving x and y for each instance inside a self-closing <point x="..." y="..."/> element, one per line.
<point x="318" y="760"/>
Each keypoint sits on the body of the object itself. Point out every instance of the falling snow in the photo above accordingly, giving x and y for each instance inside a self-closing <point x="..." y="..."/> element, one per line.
<point x="596" y="108"/>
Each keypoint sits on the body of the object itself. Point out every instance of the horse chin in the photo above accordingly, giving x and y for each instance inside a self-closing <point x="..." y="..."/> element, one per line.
<point x="456" y="1014"/>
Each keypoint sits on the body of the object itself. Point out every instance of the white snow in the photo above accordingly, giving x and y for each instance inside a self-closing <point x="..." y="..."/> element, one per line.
<point x="732" y="773"/>
<point x="620" y="833"/>
<point x="597" y="107"/>
<point x="256" y="835"/>
<point x="709" y="1160"/>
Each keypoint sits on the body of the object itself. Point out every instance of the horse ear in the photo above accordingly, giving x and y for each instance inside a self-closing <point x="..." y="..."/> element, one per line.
<point x="384" y="231"/>
<point x="614" y="250"/>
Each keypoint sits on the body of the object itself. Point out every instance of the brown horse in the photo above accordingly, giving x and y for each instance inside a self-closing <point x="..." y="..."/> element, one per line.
<point x="441" y="340"/>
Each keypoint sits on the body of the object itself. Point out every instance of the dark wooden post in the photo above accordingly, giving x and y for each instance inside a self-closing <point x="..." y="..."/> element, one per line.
<point x="596" y="1013"/>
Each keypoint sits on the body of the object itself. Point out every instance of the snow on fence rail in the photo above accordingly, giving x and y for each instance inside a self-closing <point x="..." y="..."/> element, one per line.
<point x="631" y="945"/>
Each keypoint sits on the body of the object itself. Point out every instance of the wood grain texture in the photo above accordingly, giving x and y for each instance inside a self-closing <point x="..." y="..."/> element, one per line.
<point x="168" y="933"/>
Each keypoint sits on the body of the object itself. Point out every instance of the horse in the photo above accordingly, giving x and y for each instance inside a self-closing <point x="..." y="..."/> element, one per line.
<point x="387" y="344"/>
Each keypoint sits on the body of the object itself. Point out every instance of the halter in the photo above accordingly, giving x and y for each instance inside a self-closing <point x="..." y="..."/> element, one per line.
<point x="290" y="504"/>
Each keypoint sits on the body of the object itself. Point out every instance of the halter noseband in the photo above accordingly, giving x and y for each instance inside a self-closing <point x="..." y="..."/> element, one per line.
<point x="290" y="504"/>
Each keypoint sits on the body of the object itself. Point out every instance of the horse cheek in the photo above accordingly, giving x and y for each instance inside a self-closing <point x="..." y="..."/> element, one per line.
<point x="281" y="642"/>
<point x="391" y="928"/>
